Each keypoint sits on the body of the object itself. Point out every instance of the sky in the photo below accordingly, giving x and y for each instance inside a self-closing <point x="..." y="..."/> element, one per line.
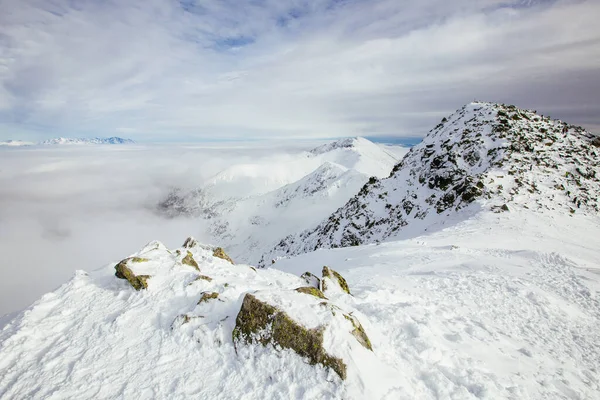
<point x="197" y="70"/>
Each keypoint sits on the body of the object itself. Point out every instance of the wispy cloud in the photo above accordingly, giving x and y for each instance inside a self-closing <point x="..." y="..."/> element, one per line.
<point x="194" y="69"/>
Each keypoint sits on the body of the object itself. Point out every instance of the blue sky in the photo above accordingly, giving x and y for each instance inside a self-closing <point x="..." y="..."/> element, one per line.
<point x="166" y="70"/>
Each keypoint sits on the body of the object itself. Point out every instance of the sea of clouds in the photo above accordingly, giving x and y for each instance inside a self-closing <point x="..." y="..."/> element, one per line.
<point x="64" y="208"/>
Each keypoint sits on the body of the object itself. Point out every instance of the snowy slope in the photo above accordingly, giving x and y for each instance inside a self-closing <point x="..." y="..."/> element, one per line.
<point x="252" y="206"/>
<point x="498" y="306"/>
<point x="249" y="227"/>
<point x="484" y="157"/>
<point x="97" y="140"/>
<point x="501" y="306"/>
<point x="97" y="337"/>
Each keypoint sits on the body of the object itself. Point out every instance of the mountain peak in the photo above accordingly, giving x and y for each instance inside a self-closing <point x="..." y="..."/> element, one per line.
<point x="344" y="143"/>
<point x="494" y="155"/>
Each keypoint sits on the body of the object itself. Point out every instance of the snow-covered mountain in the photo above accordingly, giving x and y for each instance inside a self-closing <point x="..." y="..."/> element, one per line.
<point x="252" y="206"/>
<point x="493" y="293"/>
<point x="484" y="157"/>
<point x="97" y="140"/>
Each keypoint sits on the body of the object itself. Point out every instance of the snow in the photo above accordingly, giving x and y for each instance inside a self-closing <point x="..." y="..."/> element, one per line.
<point x="460" y="298"/>
<point x="485" y="156"/>
<point x="251" y="206"/>
<point x="497" y="306"/>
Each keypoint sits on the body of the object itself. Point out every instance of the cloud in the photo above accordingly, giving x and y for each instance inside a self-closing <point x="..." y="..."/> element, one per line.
<point x="205" y="69"/>
<point x="64" y="208"/>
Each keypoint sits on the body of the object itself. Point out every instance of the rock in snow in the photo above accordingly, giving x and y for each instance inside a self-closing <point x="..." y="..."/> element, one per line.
<point x="494" y="292"/>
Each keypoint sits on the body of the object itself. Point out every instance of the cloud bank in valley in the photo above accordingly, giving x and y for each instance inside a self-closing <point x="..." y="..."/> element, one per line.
<point x="203" y="69"/>
<point x="64" y="208"/>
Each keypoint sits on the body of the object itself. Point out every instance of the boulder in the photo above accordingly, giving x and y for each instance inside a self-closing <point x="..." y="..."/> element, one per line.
<point x="122" y="271"/>
<point x="190" y="243"/>
<point x="259" y="322"/>
<point x="220" y="253"/>
<point x="332" y="279"/>
<point x="189" y="260"/>
<point x="358" y="332"/>
<point x="206" y="296"/>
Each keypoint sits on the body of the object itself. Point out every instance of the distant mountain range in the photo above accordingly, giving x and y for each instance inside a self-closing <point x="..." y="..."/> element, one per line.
<point x="69" y="141"/>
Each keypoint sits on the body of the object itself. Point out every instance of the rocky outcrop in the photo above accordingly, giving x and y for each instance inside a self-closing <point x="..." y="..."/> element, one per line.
<point x="260" y="322"/>
<point x="189" y="260"/>
<point x="220" y="253"/>
<point x="289" y="317"/>
<point x="311" y="291"/>
<point x="122" y="271"/>
<point x="207" y="296"/>
<point x="332" y="280"/>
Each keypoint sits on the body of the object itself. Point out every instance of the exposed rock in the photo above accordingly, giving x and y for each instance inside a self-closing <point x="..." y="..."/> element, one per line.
<point x="206" y="296"/>
<point x="202" y="277"/>
<point x="259" y="322"/>
<point x="358" y="332"/>
<point x="311" y="279"/>
<point x="220" y="253"/>
<point x="333" y="278"/>
<point x="122" y="271"/>
<point x="190" y="243"/>
<point x="313" y="291"/>
<point x="189" y="260"/>
<point x="184" y="319"/>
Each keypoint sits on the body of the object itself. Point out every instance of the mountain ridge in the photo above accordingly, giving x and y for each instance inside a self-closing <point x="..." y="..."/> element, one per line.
<point x="250" y="223"/>
<point x="495" y="155"/>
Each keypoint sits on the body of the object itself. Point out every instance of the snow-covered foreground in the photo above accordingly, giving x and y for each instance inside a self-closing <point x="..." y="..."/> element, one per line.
<point x="494" y="306"/>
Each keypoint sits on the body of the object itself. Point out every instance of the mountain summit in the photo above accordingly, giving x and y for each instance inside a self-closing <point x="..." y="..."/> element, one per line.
<point x="485" y="156"/>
